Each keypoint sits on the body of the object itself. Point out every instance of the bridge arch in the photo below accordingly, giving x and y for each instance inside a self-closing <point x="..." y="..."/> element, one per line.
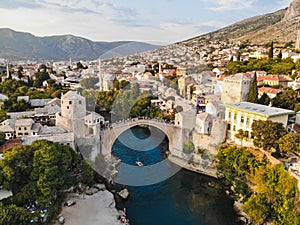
<point x="111" y="134"/>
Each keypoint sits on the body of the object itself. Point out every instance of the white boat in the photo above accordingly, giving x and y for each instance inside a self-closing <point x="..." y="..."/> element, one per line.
<point x="139" y="163"/>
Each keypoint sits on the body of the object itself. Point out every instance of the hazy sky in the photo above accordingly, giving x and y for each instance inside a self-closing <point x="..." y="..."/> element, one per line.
<point x="154" y="21"/>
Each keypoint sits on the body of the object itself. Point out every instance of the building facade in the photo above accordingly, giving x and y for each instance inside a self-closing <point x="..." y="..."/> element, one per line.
<point x="236" y="88"/>
<point x="240" y="116"/>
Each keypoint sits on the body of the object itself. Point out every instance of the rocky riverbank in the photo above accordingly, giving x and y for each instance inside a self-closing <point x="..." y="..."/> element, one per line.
<point x="96" y="206"/>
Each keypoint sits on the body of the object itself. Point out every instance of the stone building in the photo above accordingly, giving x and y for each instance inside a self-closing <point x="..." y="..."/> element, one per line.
<point x="203" y="123"/>
<point x="75" y="118"/>
<point x="236" y="88"/>
<point x="183" y="84"/>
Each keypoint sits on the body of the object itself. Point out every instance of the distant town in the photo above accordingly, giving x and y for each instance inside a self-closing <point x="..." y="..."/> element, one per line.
<point x="221" y="97"/>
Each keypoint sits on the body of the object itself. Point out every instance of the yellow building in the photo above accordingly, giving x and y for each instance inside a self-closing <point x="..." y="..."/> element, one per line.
<point x="241" y="116"/>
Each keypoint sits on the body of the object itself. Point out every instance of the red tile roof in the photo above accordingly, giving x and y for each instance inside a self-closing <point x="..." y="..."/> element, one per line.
<point x="272" y="77"/>
<point x="269" y="90"/>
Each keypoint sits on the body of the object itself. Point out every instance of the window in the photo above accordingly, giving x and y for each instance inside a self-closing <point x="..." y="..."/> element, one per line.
<point x="26" y="133"/>
<point x="19" y="128"/>
<point x="80" y="102"/>
<point x="70" y="102"/>
<point x="68" y="107"/>
<point x="242" y="119"/>
<point x="25" y="128"/>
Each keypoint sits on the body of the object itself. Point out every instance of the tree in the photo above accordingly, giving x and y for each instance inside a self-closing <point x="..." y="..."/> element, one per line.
<point x="79" y="65"/>
<point x="17" y="167"/>
<point x="89" y="83"/>
<point x="253" y="93"/>
<point x="2" y="138"/>
<point x="12" y="215"/>
<point x="297" y="107"/>
<point x="43" y="167"/>
<point x="264" y="99"/>
<point x="279" y="55"/>
<point x="289" y="143"/>
<point x="116" y="84"/>
<point x="50" y="169"/>
<point x="276" y="197"/>
<point x="271" y="51"/>
<point x="188" y="147"/>
<point x="267" y="133"/>
<point x="242" y="134"/>
<point x="286" y="99"/>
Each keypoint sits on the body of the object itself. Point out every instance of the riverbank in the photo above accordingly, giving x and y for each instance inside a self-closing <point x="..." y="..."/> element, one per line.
<point x="99" y="208"/>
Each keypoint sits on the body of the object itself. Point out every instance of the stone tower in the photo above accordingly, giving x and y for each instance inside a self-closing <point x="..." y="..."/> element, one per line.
<point x="236" y="88"/>
<point x="73" y="111"/>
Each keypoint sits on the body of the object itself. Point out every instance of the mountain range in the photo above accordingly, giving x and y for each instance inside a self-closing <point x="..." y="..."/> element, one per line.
<point x="279" y="27"/>
<point x="22" y="46"/>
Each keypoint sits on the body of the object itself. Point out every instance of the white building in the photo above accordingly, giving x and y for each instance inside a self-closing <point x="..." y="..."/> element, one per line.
<point x="242" y="115"/>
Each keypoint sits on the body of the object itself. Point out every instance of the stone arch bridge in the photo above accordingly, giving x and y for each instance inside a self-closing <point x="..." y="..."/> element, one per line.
<point x="175" y="134"/>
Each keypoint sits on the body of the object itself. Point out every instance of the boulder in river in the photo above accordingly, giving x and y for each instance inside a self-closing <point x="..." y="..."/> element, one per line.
<point x="124" y="193"/>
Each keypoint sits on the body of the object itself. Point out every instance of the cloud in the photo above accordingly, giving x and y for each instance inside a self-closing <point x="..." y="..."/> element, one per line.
<point x="13" y="4"/>
<point x="228" y="5"/>
<point x="283" y="3"/>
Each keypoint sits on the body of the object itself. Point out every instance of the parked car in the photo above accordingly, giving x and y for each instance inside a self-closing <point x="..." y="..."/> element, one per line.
<point x="69" y="203"/>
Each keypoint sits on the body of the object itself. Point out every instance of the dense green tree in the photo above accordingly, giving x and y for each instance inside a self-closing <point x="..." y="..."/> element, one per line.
<point x="264" y="99"/>
<point x="286" y="99"/>
<point x="14" y="105"/>
<point x="17" y="167"/>
<point x="41" y="168"/>
<point x="297" y="65"/>
<point x="116" y="84"/>
<point x="2" y="138"/>
<point x="40" y="77"/>
<point x="241" y="134"/>
<point x="188" y="147"/>
<point x="89" y="83"/>
<point x="12" y="215"/>
<point x="80" y="66"/>
<point x="124" y="84"/>
<point x="297" y="107"/>
<point x="275" y="199"/>
<point x="50" y="169"/>
<point x="253" y="92"/>
<point x="279" y="55"/>
<point x="284" y="66"/>
<point x="267" y="133"/>
<point x="234" y="67"/>
<point x="289" y="143"/>
<point x="257" y="208"/>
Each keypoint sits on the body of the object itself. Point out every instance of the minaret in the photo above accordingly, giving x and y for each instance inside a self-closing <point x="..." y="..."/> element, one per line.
<point x="297" y="46"/>
<point x="7" y="71"/>
<point x="159" y="67"/>
<point x="100" y="76"/>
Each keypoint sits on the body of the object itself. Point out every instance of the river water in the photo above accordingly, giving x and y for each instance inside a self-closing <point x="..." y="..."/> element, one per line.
<point x="186" y="198"/>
